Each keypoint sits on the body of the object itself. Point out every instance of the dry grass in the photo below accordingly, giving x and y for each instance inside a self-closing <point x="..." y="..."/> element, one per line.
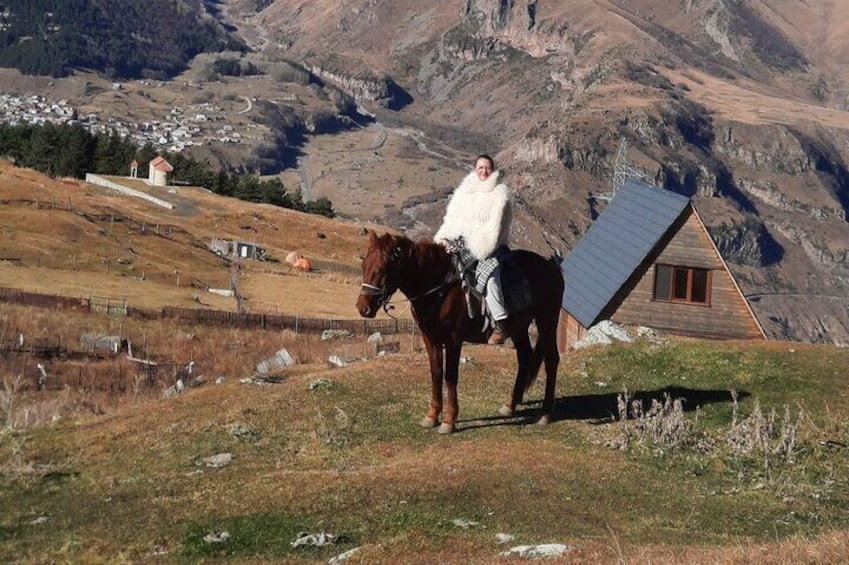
<point x="346" y="457"/>
<point x="829" y="547"/>
<point x="102" y="383"/>
<point x="50" y="249"/>
<point x="748" y="103"/>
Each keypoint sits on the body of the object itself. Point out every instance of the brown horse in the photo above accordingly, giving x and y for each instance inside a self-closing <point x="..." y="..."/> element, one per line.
<point x="423" y="271"/>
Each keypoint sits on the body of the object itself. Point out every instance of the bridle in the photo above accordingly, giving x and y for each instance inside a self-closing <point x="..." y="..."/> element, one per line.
<point x="379" y="291"/>
<point x="383" y="293"/>
<point x="383" y="296"/>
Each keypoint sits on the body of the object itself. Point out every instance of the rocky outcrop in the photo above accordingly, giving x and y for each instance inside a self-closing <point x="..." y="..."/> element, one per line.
<point x="524" y="26"/>
<point x="380" y="90"/>
<point x="551" y="149"/>
<point x="466" y="43"/>
<point x="672" y="124"/>
<point x="774" y="152"/>
<point x="769" y="193"/>
<point x="535" y="150"/>
<point x="746" y="243"/>
<point x="766" y="192"/>
<point x="716" y="27"/>
<point x="815" y="250"/>
<point x="766" y="148"/>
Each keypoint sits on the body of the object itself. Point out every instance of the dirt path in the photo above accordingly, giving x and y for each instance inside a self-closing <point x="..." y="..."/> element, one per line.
<point x="249" y="103"/>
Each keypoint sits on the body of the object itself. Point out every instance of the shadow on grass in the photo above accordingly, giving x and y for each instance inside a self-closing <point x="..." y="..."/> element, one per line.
<point x="601" y="408"/>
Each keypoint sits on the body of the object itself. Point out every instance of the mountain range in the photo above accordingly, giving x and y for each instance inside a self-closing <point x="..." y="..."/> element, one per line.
<point x="740" y="105"/>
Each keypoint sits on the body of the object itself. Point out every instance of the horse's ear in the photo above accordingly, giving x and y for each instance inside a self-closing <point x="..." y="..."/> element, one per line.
<point x="372" y="237"/>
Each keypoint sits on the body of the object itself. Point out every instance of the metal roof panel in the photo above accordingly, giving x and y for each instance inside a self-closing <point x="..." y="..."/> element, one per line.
<point x="618" y="241"/>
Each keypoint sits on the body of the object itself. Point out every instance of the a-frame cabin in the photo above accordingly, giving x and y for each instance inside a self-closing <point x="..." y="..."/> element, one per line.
<point x="649" y="260"/>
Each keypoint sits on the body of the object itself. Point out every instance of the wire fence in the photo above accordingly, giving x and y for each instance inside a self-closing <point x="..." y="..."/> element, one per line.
<point x="206" y="317"/>
<point x="47" y="365"/>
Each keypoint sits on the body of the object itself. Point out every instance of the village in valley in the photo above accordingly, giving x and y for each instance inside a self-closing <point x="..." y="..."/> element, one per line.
<point x="182" y="128"/>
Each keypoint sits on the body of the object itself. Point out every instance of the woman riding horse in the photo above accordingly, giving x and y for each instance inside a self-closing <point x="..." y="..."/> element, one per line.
<point x="424" y="272"/>
<point x="480" y="212"/>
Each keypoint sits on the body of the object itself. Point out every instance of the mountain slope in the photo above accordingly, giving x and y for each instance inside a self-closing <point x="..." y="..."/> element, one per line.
<point x="122" y="38"/>
<point x="739" y="105"/>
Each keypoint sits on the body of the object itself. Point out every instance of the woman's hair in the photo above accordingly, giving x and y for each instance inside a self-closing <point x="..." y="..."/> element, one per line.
<point x="487" y="157"/>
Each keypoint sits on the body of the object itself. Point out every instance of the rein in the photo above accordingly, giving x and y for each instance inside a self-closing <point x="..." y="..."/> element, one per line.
<point x="386" y="304"/>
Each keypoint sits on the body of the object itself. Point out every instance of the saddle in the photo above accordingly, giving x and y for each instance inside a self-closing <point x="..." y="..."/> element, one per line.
<point x="514" y="283"/>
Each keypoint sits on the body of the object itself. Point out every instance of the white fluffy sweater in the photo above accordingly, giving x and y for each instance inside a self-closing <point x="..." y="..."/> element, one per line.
<point x="481" y="212"/>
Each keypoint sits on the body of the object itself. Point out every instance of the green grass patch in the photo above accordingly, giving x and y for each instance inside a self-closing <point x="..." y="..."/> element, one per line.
<point x="350" y="459"/>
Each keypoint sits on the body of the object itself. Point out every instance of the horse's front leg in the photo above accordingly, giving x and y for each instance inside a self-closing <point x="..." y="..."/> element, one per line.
<point x="524" y="357"/>
<point x="452" y="375"/>
<point x="435" y="357"/>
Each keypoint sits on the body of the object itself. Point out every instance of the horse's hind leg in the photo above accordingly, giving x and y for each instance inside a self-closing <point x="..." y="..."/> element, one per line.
<point x="435" y="357"/>
<point x="524" y="354"/>
<point x="548" y="341"/>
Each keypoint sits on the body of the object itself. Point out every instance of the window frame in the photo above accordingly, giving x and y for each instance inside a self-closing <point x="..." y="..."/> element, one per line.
<point x="670" y="284"/>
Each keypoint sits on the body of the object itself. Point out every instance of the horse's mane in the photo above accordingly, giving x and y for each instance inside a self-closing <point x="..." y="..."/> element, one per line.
<point x="424" y="252"/>
<point x="431" y="254"/>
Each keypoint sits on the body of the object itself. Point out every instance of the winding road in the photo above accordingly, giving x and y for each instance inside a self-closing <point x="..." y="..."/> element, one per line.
<point x="249" y="108"/>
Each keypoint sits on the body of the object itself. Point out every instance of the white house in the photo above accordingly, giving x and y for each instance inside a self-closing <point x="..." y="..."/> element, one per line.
<point x="158" y="171"/>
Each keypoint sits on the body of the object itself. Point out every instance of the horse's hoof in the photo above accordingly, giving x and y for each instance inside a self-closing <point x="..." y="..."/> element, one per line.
<point x="445" y="429"/>
<point x="427" y="422"/>
<point x="543" y="421"/>
<point x="505" y="411"/>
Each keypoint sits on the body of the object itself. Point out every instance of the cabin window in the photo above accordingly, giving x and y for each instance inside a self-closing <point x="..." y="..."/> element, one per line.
<point x="682" y="284"/>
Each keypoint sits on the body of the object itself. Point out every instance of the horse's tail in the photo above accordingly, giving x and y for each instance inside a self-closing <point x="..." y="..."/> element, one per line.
<point x="536" y="363"/>
<point x="556" y="259"/>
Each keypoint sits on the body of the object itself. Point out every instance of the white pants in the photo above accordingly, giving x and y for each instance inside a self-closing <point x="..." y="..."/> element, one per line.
<point x="494" y="296"/>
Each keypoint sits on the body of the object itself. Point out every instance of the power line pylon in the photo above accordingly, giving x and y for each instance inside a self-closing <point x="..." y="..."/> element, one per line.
<point x="621" y="172"/>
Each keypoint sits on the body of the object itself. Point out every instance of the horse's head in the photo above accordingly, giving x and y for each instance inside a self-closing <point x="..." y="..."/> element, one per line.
<point x="381" y="273"/>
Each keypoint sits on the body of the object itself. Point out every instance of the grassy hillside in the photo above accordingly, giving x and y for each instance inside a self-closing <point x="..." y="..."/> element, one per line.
<point x="98" y="464"/>
<point x="76" y="239"/>
<point x="339" y="451"/>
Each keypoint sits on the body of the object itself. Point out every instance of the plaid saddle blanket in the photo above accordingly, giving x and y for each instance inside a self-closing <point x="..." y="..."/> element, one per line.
<point x="475" y="275"/>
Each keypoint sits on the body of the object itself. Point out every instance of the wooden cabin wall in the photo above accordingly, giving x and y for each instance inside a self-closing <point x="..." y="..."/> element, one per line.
<point x="569" y="330"/>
